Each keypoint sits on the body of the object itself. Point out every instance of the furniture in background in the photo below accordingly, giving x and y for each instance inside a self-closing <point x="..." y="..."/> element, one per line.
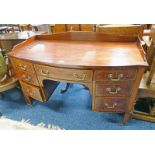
<point x="111" y="66"/>
<point x="59" y="28"/>
<point x="147" y="90"/>
<point x="42" y="27"/>
<point x="7" y="78"/>
<point x="52" y="27"/>
<point x="149" y="39"/>
<point x="147" y="85"/>
<point x="14" y="28"/>
<point x="25" y="27"/>
<point x="87" y="27"/>
<point x="3" y="67"/>
<point x="3" y="29"/>
<point x="72" y="27"/>
<point x="8" y="40"/>
<point x="6" y="28"/>
<point x="121" y="29"/>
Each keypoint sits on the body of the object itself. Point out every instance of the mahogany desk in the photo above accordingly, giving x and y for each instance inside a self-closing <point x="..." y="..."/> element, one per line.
<point x="110" y="66"/>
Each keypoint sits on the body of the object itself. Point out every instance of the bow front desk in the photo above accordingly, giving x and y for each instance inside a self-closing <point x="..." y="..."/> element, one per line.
<point x="111" y="67"/>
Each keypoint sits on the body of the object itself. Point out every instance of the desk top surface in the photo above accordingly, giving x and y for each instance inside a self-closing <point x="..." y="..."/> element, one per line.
<point x="80" y="53"/>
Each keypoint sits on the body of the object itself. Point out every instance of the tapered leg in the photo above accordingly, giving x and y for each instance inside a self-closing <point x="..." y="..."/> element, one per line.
<point x="63" y="90"/>
<point x="28" y="100"/>
<point x="126" y="118"/>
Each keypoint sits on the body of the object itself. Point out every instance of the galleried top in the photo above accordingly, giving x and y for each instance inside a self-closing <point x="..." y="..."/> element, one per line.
<point x="82" y="49"/>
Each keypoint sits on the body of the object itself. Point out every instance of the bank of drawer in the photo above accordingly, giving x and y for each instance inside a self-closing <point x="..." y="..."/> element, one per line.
<point x="22" y="65"/>
<point x="110" y="104"/>
<point x="28" y="77"/>
<point x="115" y="74"/>
<point x="32" y="91"/>
<point x="108" y="88"/>
<point x="64" y="74"/>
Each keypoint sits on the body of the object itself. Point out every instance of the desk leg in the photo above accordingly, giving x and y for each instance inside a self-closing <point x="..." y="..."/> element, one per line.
<point x="126" y="118"/>
<point x="63" y="90"/>
<point x="133" y="97"/>
<point x="28" y="100"/>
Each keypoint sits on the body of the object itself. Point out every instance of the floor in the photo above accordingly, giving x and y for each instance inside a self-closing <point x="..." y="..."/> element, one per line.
<point x="71" y="110"/>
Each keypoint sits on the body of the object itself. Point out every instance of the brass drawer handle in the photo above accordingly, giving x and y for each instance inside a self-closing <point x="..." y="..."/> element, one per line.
<point x="44" y="72"/>
<point x="120" y="76"/>
<point x="22" y="66"/>
<point x="79" y="77"/>
<point x="110" y="107"/>
<point x="113" y="92"/>
<point x="26" y="77"/>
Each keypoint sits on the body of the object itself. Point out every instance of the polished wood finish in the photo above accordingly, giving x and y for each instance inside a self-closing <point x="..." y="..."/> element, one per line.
<point x="109" y="65"/>
<point x="88" y="54"/>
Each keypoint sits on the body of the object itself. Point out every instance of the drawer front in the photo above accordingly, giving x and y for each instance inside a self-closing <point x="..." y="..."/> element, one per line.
<point x="106" y="88"/>
<point x="65" y="74"/>
<point x="115" y="74"/>
<point x="23" y="65"/>
<point x="32" y="91"/>
<point x="28" y="77"/>
<point x="110" y="104"/>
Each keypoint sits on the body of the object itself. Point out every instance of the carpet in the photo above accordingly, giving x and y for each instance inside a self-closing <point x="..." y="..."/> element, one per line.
<point x="70" y="111"/>
<point x="8" y="124"/>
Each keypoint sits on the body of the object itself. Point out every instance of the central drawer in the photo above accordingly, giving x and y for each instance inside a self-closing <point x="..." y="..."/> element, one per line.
<point x="64" y="74"/>
<point x="108" y="88"/>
